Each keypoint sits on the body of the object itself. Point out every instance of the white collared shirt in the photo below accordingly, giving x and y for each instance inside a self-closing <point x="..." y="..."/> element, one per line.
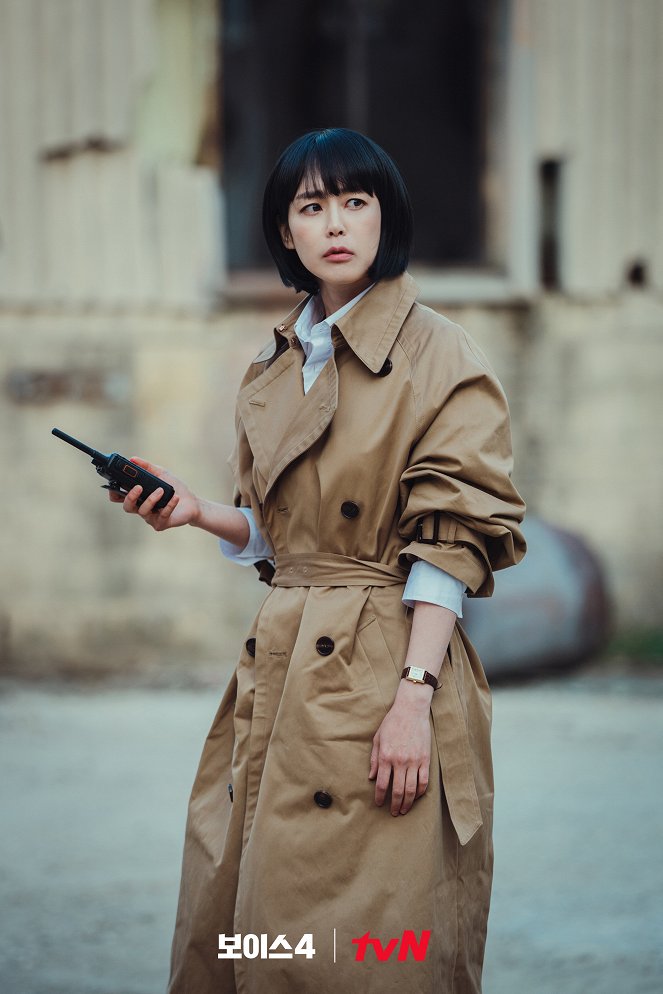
<point x="425" y="582"/>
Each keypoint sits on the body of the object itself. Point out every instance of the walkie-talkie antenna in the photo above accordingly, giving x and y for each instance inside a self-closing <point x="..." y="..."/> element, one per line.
<point x="78" y="445"/>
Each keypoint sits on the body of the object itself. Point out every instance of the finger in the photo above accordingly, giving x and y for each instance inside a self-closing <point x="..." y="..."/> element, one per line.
<point x="382" y="782"/>
<point x="130" y="505"/>
<point x="374" y="758"/>
<point x="410" y="791"/>
<point x="151" y="467"/>
<point x="397" y="790"/>
<point x="422" y="785"/>
<point x="115" y="497"/>
<point x="166" y="511"/>
<point x="149" y="504"/>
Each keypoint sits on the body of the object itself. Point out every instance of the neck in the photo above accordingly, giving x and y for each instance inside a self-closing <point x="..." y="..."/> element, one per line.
<point x="336" y="296"/>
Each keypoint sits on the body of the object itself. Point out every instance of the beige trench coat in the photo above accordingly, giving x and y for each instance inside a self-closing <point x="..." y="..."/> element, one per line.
<point x="400" y="449"/>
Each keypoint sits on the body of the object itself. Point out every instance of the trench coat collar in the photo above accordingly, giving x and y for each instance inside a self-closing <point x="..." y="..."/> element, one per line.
<point x="370" y="328"/>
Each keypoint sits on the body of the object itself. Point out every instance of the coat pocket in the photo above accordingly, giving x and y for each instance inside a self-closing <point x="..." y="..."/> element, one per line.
<point x="379" y="660"/>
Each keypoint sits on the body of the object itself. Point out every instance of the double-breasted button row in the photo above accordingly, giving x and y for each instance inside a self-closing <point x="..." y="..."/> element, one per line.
<point x="322" y="798"/>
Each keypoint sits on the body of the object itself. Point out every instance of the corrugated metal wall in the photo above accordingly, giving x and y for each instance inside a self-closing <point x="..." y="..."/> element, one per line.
<point x="599" y="68"/>
<point x="85" y="219"/>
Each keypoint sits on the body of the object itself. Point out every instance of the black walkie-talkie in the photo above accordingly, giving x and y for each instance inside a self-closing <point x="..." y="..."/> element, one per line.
<point x="121" y="473"/>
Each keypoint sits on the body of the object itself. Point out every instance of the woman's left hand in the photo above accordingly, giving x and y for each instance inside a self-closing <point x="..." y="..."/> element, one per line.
<point x="401" y="749"/>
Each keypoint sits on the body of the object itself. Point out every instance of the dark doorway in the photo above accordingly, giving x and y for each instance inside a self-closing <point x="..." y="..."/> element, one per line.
<point x="412" y="75"/>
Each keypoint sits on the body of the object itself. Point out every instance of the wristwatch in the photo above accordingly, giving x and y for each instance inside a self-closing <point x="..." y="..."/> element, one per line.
<point x="415" y="674"/>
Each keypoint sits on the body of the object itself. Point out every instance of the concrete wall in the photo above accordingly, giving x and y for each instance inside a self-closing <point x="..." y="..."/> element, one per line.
<point x="83" y="586"/>
<point x="594" y="409"/>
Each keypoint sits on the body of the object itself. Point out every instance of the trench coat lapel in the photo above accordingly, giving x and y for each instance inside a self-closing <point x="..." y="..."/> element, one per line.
<point x="282" y="422"/>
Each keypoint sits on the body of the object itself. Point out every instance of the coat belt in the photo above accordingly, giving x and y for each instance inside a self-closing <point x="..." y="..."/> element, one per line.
<point x="321" y="569"/>
<point x="449" y="724"/>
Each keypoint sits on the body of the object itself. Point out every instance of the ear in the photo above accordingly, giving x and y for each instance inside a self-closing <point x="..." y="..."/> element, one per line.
<point x="286" y="237"/>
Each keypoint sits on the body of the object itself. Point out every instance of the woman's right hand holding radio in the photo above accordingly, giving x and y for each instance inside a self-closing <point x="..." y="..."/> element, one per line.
<point x="182" y="509"/>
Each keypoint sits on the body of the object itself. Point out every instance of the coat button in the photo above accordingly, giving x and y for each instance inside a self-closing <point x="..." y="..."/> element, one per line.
<point x="325" y="645"/>
<point x="322" y="799"/>
<point x="251" y="647"/>
<point x="387" y="367"/>
<point x="349" y="509"/>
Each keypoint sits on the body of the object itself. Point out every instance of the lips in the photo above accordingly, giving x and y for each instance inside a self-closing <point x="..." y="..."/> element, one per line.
<point x="338" y="251"/>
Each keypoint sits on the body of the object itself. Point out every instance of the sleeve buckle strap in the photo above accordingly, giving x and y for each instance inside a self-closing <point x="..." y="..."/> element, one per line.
<point x="437" y="515"/>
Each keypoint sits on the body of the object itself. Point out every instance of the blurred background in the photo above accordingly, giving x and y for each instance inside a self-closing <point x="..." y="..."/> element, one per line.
<point x="135" y="140"/>
<point x="136" y="136"/>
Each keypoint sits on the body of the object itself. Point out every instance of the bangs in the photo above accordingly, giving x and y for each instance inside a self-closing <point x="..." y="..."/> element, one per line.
<point x="332" y="168"/>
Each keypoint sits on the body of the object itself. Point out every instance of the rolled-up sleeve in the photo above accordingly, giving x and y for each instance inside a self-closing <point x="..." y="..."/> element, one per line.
<point x="460" y="509"/>
<point x="434" y="586"/>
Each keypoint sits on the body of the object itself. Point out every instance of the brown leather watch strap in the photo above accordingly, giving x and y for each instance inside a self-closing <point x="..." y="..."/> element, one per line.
<point x="415" y="674"/>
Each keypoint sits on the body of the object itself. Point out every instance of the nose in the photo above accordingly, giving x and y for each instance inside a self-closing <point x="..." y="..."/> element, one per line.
<point x="335" y="220"/>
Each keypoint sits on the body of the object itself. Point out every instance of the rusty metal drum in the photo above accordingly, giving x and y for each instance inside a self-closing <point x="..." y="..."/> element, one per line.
<point x="550" y="610"/>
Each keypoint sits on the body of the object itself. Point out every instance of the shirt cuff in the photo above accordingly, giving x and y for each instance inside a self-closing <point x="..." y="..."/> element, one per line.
<point x="255" y="549"/>
<point x="435" y="586"/>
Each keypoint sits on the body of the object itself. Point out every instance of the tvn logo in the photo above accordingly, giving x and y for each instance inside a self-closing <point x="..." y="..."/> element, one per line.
<point x="407" y="944"/>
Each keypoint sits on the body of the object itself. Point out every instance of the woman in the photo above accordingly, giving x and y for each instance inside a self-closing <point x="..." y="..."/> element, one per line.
<point x="372" y="468"/>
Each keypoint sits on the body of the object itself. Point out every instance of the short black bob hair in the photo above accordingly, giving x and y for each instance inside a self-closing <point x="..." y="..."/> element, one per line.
<point x="342" y="160"/>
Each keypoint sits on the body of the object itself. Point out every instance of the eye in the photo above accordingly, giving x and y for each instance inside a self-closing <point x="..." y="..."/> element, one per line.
<point x="311" y="209"/>
<point x="356" y="202"/>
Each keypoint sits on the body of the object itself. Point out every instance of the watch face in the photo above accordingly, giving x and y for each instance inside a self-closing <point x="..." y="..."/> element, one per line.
<point x="417" y="673"/>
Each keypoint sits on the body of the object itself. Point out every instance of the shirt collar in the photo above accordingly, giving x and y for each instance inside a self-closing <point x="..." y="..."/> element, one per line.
<point x="312" y="316"/>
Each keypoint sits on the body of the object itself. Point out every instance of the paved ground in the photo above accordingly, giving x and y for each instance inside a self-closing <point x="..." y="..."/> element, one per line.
<point x="95" y="786"/>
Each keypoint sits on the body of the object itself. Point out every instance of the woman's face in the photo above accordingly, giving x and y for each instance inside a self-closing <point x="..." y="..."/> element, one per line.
<point x="335" y="237"/>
